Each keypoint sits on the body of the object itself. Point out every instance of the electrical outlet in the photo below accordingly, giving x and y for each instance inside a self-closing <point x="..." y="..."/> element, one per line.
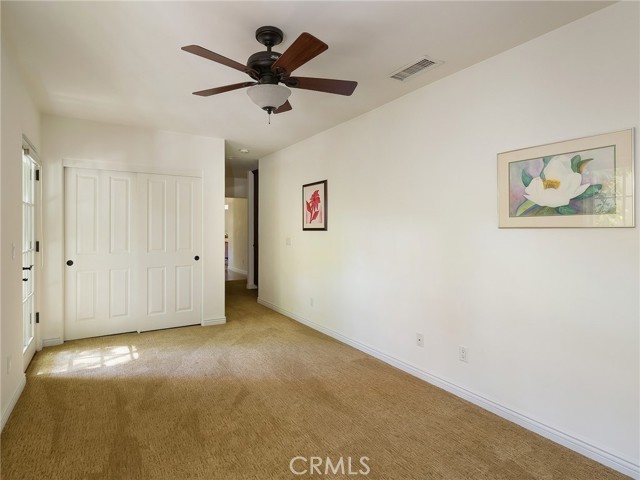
<point x="463" y="354"/>
<point x="419" y="339"/>
<point x="287" y="241"/>
<point x="311" y="301"/>
<point x="9" y="364"/>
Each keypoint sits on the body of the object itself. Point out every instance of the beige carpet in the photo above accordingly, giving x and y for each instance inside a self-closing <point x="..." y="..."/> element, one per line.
<point x="239" y="401"/>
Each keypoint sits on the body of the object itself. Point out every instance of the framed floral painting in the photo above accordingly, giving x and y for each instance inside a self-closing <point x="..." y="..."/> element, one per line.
<point x="586" y="182"/>
<point x="314" y="206"/>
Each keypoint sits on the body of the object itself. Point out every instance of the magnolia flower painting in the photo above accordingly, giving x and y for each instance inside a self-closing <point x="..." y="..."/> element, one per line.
<point x="314" y="206"/>
<point x="563" y="184"/>
<point x="583" y="182"/>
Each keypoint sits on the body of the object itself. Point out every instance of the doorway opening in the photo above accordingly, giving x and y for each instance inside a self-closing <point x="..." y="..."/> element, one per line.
<point x="236" y="250"/>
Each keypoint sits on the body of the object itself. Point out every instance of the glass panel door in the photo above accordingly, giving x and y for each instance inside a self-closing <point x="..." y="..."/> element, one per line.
<point x="29" y="168"/>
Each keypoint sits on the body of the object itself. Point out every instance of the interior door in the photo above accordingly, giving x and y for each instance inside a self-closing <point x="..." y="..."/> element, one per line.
<point x="171" y="242"/>
<point x="101" y="262"/>
<point x="256" y="203"/>
<point x="133" y="245"/>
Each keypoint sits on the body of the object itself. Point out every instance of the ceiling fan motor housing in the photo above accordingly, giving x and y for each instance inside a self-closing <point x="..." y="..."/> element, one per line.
<point x="261" y="63"/>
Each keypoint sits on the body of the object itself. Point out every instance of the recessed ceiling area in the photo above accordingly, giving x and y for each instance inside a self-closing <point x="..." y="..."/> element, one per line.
<point x="121" y="62"/>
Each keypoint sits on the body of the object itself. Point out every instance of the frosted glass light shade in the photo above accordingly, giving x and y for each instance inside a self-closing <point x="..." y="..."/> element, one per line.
<point x="268" y="96"/>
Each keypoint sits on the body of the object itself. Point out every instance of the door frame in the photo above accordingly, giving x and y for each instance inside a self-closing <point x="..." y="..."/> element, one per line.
<point x="252" y="231"/>
<point x="130" y="168"/>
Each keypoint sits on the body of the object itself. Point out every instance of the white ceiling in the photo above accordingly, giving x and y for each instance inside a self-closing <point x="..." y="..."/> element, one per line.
<point x="121" y="62"/>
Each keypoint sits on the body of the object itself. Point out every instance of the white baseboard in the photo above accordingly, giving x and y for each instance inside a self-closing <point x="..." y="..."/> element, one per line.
<point x="237" y="270"/>
<point x="214" y="321"/>
<point x="51" y="342"/>
<point x="13" y="401"/>
<point x="253" y="286"/>
<point x="593" y="452"/>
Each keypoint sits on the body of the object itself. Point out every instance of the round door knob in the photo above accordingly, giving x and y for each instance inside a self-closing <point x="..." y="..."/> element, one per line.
<point x="196" y="258"/>
<point x="69" y="262"/>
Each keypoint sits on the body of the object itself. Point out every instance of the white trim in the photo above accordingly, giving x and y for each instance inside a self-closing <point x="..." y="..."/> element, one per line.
<point x="214" y="321"/>
<point x="237" y="270"/>
<point x="131" y="168"/>
<point x="30" y="350"/>
<point x="251" y="274"/>
<point x="252" y="286"/>
<point x="13" y="401"/>
<point x="51" y="342"/>
<point x="609" y="459"/>
<point x="33" y="151"/>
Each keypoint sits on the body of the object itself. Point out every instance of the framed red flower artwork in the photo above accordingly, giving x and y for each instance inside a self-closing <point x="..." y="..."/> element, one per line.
<point x="314" y="206"/>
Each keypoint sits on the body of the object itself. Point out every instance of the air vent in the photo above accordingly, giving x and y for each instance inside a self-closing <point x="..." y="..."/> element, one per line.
<point x="419" y="66"/>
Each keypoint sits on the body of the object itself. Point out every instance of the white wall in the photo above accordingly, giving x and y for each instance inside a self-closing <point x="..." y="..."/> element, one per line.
<point x="236" y="187"/>
<point x="19" y="116"/>
<point x="236" y="223"/>
<point x="549" y="316"/>
<point x="114" y="146"/>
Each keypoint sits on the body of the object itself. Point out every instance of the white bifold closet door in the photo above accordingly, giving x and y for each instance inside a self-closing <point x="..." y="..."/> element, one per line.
<point x="132" y="244"/>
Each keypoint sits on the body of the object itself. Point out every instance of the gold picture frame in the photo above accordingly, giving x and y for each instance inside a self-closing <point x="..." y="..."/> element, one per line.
<point x="585" y="182"/>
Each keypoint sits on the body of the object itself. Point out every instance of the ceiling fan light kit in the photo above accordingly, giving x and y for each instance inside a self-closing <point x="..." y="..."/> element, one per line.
<point x="268" y="97"/>
<point x="269" y="69"/>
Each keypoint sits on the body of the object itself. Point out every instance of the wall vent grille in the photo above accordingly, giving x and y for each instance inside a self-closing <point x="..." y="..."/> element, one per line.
<point x="419" y="66"/>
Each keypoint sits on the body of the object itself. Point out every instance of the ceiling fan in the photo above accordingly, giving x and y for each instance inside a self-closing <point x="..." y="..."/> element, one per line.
<point x="269" y="69"/>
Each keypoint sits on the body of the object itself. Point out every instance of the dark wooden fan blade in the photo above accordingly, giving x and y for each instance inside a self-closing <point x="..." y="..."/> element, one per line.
<point x="300" y="52"/>
<point x="327" y="85"/>
<point x="209" y="55"/>
<point x="285" y="107"/>
<point x="226" y="88"/>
